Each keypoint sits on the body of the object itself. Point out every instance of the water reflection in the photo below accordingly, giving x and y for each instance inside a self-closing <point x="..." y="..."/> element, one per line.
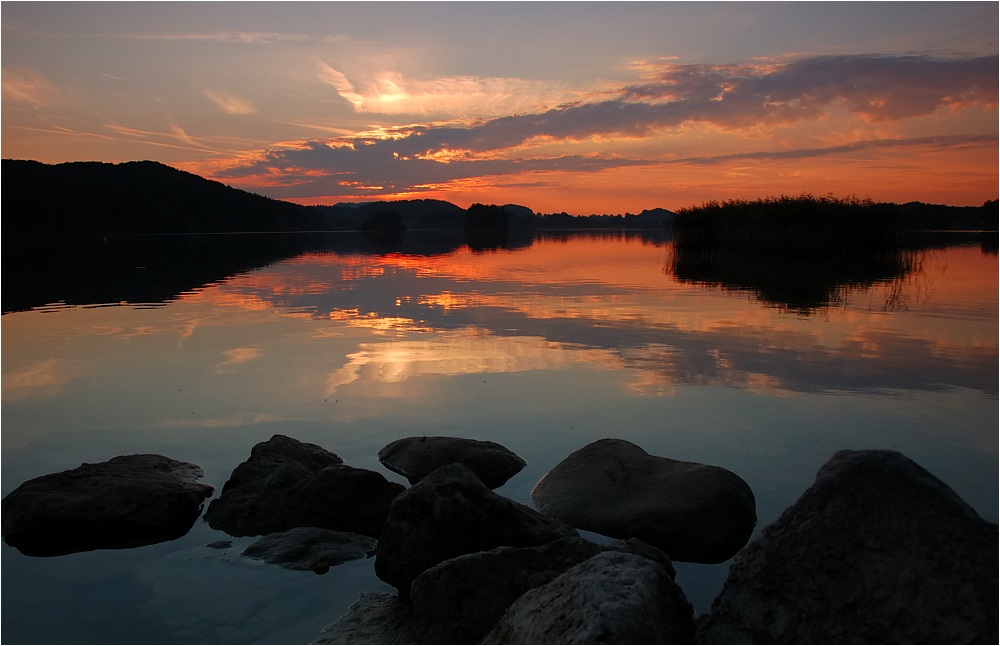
<point x="607" y="302"/>
<point x="602" y="300"/>
<point x="801" y="283"/>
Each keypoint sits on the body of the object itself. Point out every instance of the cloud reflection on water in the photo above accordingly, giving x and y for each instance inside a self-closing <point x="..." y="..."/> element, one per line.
<point x="552" y="306"/>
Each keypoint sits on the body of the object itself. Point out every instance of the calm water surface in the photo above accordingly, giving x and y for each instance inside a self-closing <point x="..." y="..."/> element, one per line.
<point x="544" y="349"/>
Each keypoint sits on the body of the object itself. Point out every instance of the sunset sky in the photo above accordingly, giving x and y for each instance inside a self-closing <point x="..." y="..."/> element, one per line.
<point x="570" y="106"/>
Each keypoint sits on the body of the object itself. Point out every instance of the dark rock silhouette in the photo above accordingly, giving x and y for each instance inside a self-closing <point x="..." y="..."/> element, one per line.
<point x="450" y="513"/>
<point x="417" y="457"/>
<point x="286" y="483"/>
<point x="128" y="501"/>
<point x="693" y="512"/>
<point x="611" y="598"/>
<point x="877" y="550"/>
<point x="310" y="548"/>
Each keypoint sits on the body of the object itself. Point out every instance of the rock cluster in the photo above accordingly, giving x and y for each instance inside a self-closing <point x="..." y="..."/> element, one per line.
<point x="877" y="550"/>
<point x="485" y="596"/>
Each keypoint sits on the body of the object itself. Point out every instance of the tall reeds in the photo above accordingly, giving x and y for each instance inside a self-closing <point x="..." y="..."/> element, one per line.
<point x="784" y="225"/>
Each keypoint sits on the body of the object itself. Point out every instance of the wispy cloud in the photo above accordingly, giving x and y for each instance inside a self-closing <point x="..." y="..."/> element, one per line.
<point x="223" y="36"/>
<point x="27" y="86"/>
<point x="933" y="142"/>
<point x="230" y="103"/>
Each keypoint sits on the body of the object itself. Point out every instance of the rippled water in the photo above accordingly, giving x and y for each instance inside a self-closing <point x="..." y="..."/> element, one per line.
<point x="543" y="348"/>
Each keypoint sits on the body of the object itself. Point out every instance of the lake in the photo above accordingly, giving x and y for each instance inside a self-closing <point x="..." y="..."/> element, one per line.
<point x="198" y="349"/>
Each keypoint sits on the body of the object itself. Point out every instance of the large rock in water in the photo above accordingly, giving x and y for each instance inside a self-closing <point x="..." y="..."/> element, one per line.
<point x="878" y="550"/>
<point x="693" y="512"/>
<point x="417" y="457"/>
<point x="450" y="513"/>
<point x="286" y="483"/>
<point x="128" y="501"/>
<point x="611" y="598"/>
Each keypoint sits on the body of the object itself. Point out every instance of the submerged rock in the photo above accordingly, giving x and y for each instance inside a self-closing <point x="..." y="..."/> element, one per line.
<point x="128" y="501"/>
<point x="878" y="550"/>
<point x="417" y="457"/>
<point x="611" y="598"/>
<point x="310" y="548"/>
<point x="450" y="513"/>
<point x="286" y="483"/>
<point x="693" y="512"/>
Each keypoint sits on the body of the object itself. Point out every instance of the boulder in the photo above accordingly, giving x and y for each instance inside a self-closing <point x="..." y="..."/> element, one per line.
<point x="450" y="513"/>
<point x="877" y="550"/>
<point x="128" y="501"/>
<point x="693" y="512"/>
<point x="611" y="598"/>
<point x="286" y="483"/>
<point x="458" y="601"/>
<point x="417" y="457"/>
<point x="310" y="548"/>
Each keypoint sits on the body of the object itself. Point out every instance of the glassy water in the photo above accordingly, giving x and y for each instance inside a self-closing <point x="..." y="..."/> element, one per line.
<point x="542" y="345"/>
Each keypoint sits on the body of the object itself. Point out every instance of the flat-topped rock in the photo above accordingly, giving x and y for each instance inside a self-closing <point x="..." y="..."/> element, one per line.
<point x="417" y="457"/>
<point x="128" y="501"/>
<point x="450" y="513"/>
<point x="876" y="551"/>
<point x="286" y="483"/>
<point x="694" y="512"/>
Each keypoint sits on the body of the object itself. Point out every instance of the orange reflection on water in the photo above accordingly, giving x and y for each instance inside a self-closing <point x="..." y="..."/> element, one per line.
<point x="608" y="301"/>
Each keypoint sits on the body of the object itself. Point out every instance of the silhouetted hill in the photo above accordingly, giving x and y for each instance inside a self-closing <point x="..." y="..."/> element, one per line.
<point x="133" y="197"/>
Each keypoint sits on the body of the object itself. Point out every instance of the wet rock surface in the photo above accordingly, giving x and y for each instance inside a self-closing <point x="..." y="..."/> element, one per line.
<point x="310" y="548"/>
<point x="286" y="483"/>
<point x="450" y="513"/>
<point x="128" y="501"/>
<point x="693" y="512"/>
<point x="878" y="550"/>
<point x="416" y="457"/>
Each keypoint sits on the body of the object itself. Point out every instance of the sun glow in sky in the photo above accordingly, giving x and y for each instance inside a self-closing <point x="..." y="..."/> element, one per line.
<point x="577" y="107"/>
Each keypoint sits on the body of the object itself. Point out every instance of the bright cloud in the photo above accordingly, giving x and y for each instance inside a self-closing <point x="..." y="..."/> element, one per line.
<point x="393" y="93"/>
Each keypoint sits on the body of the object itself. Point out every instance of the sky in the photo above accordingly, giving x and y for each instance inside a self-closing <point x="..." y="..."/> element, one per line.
<point x="583" y="107"/>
